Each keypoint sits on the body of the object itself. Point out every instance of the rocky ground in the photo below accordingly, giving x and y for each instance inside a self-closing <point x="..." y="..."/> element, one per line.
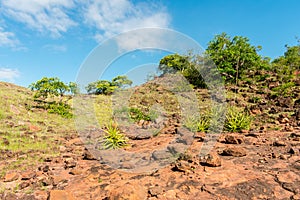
<point x="250" y="165"/>
<point x="44" y="158"/>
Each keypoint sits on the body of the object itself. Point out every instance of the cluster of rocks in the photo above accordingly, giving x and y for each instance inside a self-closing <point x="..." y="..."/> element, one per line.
<point x="250" y="165"/>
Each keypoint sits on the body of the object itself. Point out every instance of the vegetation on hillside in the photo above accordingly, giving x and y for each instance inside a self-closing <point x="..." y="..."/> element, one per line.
<point x="108" y="87"/>
<point x="250" y="79"/>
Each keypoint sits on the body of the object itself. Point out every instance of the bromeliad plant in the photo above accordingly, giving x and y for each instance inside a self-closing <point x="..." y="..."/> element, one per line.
<point x="237" y="120"/>
<point x="113" y="138"/>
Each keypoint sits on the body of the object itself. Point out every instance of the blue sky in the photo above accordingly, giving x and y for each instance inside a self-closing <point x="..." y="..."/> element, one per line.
<point x="54" y="37"/>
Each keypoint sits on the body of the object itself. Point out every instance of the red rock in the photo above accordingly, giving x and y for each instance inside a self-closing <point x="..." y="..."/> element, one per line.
<point x="87" y="155"/>
<point x="10" y="196"/>
<point x="200" y="136"/>
<point x="57" y="179"/>
<point x="255" y="111"/>
<point x="14" y="109"/>
<point x="245" y="131"/>
<point x="28" y="175"/>
<point x="24" y="184"/>
<point x="170" y="194"/>
<point x="11" y="177"/>
<point x="34" y="128"/>
<point x="234" y="151"/>
<point x="212" y="160"/>
<point x="287" y="177"/>
<point x="182" y="166"/>
<point x="70" y="163"/>
<point x="60" y="195"/>
<point x="156" y="190"/>
<point x="289" y="128"/>
<point x="41" y="195"/>
<point x="279" y="143"/>
<point x="296" y="197"/>
<point x="62" y="149"/>
<point x="294" y="151"/>
<point x="76" y="172"/>
<point x="75" y="141"/>
<point x="129" y="191"/>
<point x="234" y="139"/>
<point x="284" y="120"/>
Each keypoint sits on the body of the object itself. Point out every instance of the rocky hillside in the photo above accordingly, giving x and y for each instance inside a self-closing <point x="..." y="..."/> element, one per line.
<point x="43" y="157"/>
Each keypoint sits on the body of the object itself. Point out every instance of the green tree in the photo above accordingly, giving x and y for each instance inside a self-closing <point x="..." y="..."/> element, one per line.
<point x="49" y="87"/>
<point x="100" y="87"/>
<point x="173" y="63"/>
<point x="74" y="89"/>
<point x="52" y="87"/>
<point x="288" y="64"/>
<point x="108" y="87"/>
<point x="121" y="81"/>
<point x="187" y="65"/>
<point x="234" y="57"/>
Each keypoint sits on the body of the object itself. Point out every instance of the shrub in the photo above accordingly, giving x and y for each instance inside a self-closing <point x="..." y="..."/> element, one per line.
<point x="283" y="89"/>
<point x="203" y="123"/>
<point x="191" y="123"/>
<point x="136" y="114"/>
<point x="237" y="120"/>
<point x="61" y="109"/>
<point x="113" y="138"/>
<point x="198" y="124"/>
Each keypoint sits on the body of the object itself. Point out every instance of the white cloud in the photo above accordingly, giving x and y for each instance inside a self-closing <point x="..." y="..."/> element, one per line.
<point x="111" y="17"/>
<point x="7" y="74"/>
<point x="55" y="48"/>
<point x="7" y="38"/>
<point x="142" y="38"/>
<point x="43" y="15"/>
<point x="106" y="18"/>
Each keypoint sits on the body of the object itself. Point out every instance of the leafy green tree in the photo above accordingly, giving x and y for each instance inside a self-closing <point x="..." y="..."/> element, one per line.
<point x="234" y="57"/>
<point x="74" y="89"/>
<point x="173" y="63"/>
<point x="121" y="81"/>
<point x="288" y="64"/>
<point x="49" y="87"/>
<point x="108" y="87"/>
<point x="52" y="87"/>
<point x="187" y="65"/>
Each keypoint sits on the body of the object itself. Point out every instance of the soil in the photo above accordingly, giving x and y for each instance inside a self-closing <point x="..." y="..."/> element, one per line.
<point x="264" y="165"/>
<point x="261" y="163"/>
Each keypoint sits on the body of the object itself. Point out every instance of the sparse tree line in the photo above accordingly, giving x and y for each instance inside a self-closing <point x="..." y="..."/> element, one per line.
<point x="235" y="58"/>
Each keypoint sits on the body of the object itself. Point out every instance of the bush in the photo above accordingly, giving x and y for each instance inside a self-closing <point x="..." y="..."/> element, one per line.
<point x="61" y="109"/>
<point x="237" y="120"/>
<point x="198" y="124"/>
<point x="114" y="139"/>
<point x="136" y="114"/>
<point x="283" y="89"/>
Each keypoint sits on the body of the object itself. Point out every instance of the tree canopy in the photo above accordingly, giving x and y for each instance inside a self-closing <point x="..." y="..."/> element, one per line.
<point x="108" y="87"/>
<point x="234" y="56"/>
<point x="184" y="64"/>
<point x="49" y="87"/>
